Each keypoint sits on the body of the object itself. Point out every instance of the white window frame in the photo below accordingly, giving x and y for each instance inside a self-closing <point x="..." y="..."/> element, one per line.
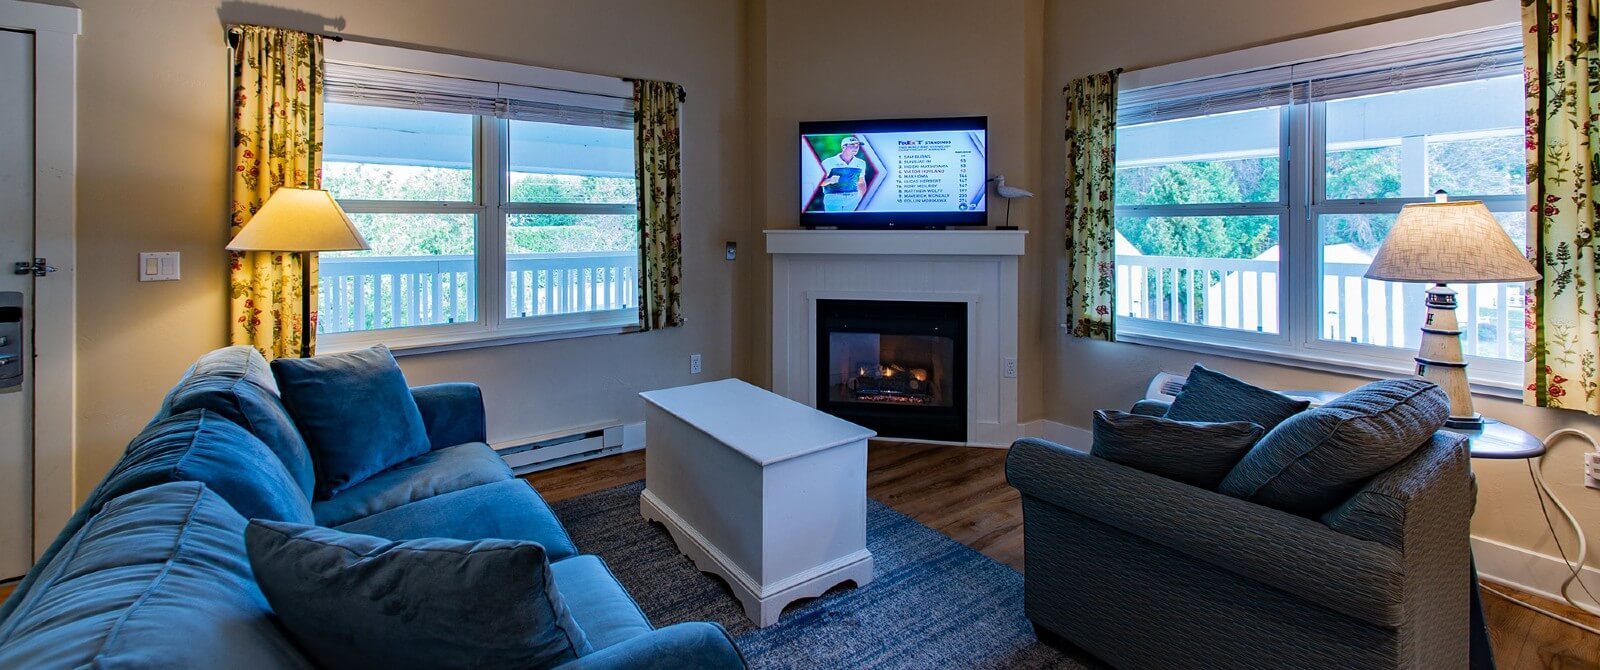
<point x="1298" y="342"/>
<point x="491" y="146"/>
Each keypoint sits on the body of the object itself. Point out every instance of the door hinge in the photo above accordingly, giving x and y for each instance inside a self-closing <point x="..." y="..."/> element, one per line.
<point x="37" y="267"/>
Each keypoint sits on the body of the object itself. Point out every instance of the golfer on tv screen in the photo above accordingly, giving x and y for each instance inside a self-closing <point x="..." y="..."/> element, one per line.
<point x="845" y="177"/>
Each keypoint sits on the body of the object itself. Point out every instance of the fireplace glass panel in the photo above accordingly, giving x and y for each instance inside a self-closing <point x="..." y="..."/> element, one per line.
<point x="878" y="368"/>
<point x="897" y="367"/>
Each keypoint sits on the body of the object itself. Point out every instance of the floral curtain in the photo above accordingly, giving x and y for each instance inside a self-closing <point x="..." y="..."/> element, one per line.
<point x="277" y="141"/>
<point x="1563" y="96"/>
<point x="1091" y="246"/>
<point x="656" y="150"/>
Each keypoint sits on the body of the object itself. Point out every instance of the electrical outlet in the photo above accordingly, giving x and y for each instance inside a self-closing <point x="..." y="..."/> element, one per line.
<point x="694" y="364"/>
<point x="1008" y="368"/>
<point x="1591" y="470"/>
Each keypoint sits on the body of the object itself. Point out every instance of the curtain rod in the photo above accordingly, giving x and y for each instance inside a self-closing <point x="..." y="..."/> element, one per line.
<point x="230" y="30"/>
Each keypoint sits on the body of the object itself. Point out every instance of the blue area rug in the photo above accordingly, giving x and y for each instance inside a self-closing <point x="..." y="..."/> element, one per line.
<point x="934" y="603"/>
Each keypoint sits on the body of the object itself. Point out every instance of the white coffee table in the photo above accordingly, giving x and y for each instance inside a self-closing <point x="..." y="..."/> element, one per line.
<point x="763" y="491"/>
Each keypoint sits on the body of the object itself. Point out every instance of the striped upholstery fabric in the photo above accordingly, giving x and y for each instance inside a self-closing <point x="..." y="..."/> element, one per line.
<point x="1198" y="454"/>
<point x="1317" y="459"/>
<point x="1145" y="572"/>
<point x="1212" y="396"/>
<point x="1149" y="407"/>
<point x="1377" y="512"/>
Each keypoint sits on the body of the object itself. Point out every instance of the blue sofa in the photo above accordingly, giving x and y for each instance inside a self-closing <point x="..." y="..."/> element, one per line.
<point x="151" y="571"/>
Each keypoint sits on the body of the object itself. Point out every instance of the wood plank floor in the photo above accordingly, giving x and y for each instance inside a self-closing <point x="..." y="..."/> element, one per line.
<point x="962" y="493"/>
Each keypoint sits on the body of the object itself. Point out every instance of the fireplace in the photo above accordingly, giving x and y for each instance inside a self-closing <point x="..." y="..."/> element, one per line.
<point x="897" y="367"/>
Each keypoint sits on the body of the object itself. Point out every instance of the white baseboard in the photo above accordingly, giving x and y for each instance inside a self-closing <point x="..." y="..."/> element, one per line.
<point x="1059" y="433"/>
<point x="1530" y="571"/>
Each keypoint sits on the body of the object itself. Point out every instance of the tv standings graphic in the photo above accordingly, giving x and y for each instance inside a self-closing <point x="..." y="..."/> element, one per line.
<point x="912" y="171"/>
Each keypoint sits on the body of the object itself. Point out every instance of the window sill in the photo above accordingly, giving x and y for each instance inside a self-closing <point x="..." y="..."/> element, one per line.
<point x="1311" y="360"/>
<point x="440" y="343"/>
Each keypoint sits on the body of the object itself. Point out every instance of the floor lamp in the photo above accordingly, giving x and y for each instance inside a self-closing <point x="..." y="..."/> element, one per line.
<point x="300" y="220"/>
<point x="1444" y="242"/>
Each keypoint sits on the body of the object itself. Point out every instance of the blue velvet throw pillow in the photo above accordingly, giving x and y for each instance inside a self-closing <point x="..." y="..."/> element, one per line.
<point x="1198" y="454"/>
<point x="1210" y="396"/>
<point x="357" y="601"/>
<point x="356" y="413"/>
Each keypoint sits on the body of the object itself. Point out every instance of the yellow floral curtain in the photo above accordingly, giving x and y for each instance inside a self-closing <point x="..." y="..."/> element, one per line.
<point x="277" y="141"/>
<point x="656" y="148"/>
<point x="1091" y="136"/>
<point x="1563" y="97"/>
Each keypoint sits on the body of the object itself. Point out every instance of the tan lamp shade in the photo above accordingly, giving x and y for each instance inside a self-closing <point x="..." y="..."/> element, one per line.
<point x="299" y="219"/>
<point x="1457" y="242"/>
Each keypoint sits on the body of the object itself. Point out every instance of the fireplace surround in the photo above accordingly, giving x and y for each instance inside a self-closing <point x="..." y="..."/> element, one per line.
<point x="976" y="269"/>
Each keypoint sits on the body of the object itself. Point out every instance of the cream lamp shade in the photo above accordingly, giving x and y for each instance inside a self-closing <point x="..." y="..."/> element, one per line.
<point x="1448" y="242"/>
<point x="299" y="220"/>
<point x="1457" y="242"/>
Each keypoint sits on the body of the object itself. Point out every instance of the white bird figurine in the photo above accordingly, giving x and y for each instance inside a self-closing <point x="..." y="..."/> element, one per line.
<point x="1009" y="193"/>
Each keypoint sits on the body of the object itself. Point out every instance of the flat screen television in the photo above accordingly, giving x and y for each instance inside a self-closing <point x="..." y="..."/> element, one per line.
<point x="894" y="173"/>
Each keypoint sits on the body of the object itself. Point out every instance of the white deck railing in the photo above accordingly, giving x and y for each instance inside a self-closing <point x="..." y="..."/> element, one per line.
<point x="364" y="293"/>
<point x="1242" y="294"/>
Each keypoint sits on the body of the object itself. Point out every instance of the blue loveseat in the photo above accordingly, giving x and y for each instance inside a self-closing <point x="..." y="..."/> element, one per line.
<point x="151" y="571"/>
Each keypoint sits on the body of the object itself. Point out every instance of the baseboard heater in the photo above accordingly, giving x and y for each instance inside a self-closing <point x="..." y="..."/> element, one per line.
<point x="550" y="452"/>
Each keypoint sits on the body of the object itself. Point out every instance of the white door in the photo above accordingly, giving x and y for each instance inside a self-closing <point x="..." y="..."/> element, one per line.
<point x="16" y="302"/>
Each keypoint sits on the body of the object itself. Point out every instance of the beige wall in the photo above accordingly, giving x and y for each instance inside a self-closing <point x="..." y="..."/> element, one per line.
<point x="907" y="58"/>
<point x="1084" y="38"/>
<point x="152" y="168"/>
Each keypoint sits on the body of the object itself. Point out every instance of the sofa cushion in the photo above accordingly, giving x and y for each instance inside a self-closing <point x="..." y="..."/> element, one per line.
<point x="158" y="579"/>
<point x="1318" y="458"/>
<point x="508" y="509"/>
<point x="1199" y="454"/>
<point x="1211" y="396"/>
<point x="356" y="413"/>
<point x="602" y="608"/>
<point x="201" y="446"/>
<point x="236" y="384"/>
<point x="362" y="601"/>
<point x="428" y="475"/>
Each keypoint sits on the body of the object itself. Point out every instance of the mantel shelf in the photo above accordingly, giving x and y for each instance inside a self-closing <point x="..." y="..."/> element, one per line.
<point x="898" y="242"/>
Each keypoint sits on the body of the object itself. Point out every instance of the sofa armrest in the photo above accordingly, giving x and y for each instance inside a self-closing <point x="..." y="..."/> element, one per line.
<point x="1149" y="407"/>
<point x="686" y="645"/>
<point x="452" y="412"/>
<point x="1271" y="547"/>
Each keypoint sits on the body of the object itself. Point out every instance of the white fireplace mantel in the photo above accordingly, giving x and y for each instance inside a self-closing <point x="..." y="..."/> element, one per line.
<point x="977" y="267"/>
<point x="897" y="242"/>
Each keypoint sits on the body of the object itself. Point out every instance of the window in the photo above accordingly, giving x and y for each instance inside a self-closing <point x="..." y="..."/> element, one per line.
<point x="1249" y="206"/>
<point x="493" y="210"/>
<point x="408" y="180"/>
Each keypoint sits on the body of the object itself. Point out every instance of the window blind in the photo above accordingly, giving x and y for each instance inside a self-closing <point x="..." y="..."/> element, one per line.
<point x="1505" y="62"/>
<point x="1447" y="60"/>
<point x="366" y="85"/>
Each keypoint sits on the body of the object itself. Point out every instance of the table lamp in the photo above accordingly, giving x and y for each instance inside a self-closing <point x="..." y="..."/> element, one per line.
<point x="300" y="220"/>
<point x="1441" y="242"/>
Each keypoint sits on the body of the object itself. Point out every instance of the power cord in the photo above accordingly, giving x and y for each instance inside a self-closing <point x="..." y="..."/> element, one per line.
<point x="1574" y="571"/>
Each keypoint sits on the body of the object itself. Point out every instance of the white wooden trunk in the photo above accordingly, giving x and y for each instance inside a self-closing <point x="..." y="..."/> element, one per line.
<point x="760" y="490"/>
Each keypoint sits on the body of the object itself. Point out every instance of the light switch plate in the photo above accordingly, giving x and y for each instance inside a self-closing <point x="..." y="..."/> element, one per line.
<point x="159" y="266"/>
